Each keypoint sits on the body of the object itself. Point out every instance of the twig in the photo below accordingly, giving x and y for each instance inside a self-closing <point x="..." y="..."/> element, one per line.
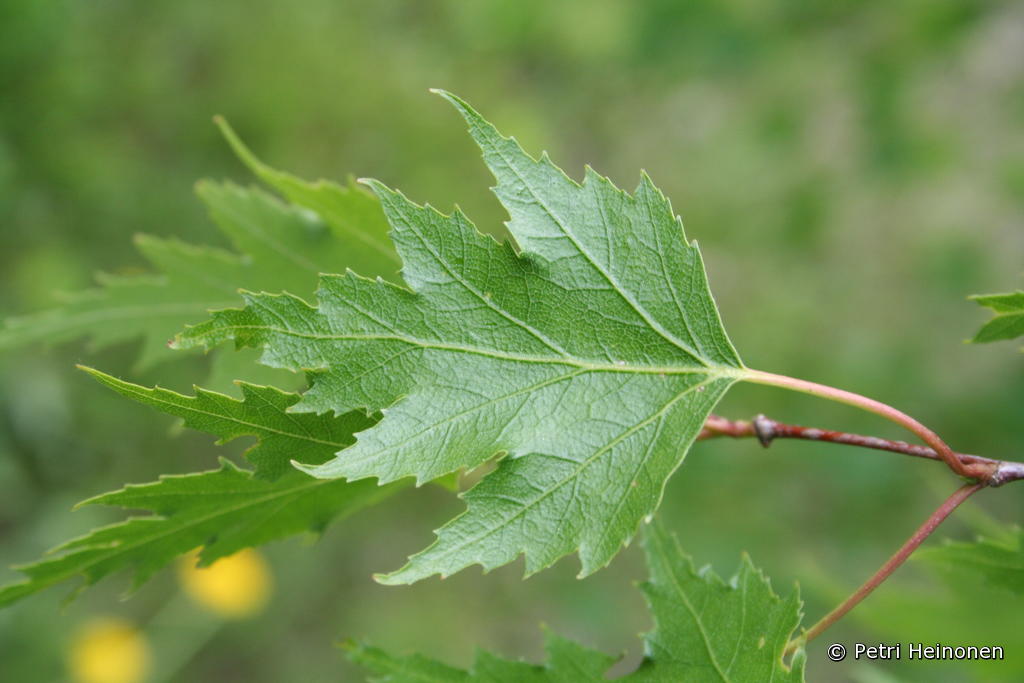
<point x="767" y="430"/>
<point x="987" y="471"/>
<point x="933" y="521"/>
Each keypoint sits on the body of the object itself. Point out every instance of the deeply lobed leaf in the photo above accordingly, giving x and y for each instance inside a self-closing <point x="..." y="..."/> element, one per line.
<point x="590" y="360"/>
<point x="568" y="662"/>
<point x="262" y="413"/>
<point x="221" y="511"/>
<point x="706" y="629"/>
<point x="280" y="247"/>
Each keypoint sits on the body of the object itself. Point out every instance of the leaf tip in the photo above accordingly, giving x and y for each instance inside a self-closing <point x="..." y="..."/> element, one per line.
<point x="445" y="94"/>
<point x="226" y="130"/>
<point x="244" y="154"/>
<point x="302" y="467"/>
<point x="471" y="115"/>
<point x="388" y="579"/>
<point x="98" y="499"/>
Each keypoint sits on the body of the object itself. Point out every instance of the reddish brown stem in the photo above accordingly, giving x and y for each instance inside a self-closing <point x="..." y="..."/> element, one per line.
<point x="767" y="430"/>
<point x="933" y="521"/>
<point x="989" y="472"/>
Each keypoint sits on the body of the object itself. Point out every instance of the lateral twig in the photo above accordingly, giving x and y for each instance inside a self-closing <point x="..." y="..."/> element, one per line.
<point x="766" y="430"/>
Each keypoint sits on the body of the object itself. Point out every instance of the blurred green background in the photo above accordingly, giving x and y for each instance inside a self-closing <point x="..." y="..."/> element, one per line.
<point x="852" y="171"/>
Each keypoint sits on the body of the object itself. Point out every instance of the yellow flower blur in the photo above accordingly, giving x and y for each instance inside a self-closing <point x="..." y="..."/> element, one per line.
<point x="108" y="650"/>
<point x="234" y="587"/>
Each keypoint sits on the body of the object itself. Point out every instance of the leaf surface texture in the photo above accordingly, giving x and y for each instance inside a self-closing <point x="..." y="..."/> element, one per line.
<point x="587" y="358"/>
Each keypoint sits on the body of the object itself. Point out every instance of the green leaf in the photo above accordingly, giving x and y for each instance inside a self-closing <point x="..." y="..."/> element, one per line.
<point x="568" y="662"/>
<point x="279" y="247"/>
<point x="262" y="413"/>
<point x="392" y="669"/>
<point x="222" y="510"/>
<point x="995" y="561"/>
<point x="590" y="360"/>
<point x="1008" y="322"/>
<point x="353" y="215"/>
<point x="706" y="629"/>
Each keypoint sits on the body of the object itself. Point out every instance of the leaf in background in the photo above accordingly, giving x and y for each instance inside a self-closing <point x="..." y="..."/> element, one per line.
<point x="262" y="413"/>
<point x="222" y="510"/>
<point x="998" y="562"/>
<point x="591" y="360"/>
<point x="353" y="215"/>
<point x="279" y="247"/>
<point x="706" y="629"/>
<point x="568" y="662"/>
<point x="1008" y="322"/>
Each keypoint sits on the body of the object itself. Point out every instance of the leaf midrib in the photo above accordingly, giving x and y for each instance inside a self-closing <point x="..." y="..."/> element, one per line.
<point x="684" y="598"/>
<point x="623" y="367"/>
<point x="257" y="430"/>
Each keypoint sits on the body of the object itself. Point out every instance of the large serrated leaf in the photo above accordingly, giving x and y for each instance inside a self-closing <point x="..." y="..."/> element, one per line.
<point x="590" y="359"/>
<point x="220" y="511"/>
<point x="706" y="629"/>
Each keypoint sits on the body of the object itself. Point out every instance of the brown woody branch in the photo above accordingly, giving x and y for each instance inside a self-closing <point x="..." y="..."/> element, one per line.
<point x="985" y="472"/>
<point x="766" y="430"/>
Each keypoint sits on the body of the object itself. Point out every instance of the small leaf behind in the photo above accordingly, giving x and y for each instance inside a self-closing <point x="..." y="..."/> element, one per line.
<point x="279" y="247"/>
<point x="1008" y="322"/>
<point x="220" y="511"/>
<point x="996" y="561"/>
<point x="706" y="629"/>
